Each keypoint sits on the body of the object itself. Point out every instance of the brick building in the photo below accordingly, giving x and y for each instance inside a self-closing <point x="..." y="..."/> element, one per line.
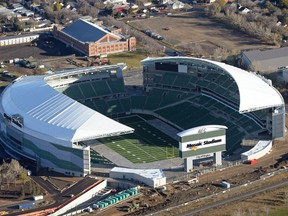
<point x="94" y="39"/>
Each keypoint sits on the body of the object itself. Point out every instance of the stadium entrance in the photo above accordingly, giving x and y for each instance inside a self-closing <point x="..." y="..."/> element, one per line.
<point x="201" y="142"/>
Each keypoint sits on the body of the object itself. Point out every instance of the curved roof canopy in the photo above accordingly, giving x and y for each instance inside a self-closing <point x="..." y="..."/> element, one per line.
<point x="255" y="91"/>
<point x="201" y="129"/>
<point x="51" y="114"/>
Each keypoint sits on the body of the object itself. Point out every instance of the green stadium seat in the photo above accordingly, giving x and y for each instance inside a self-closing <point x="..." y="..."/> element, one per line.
<point x="126" y="104"/>
<point x="172" y="97"/>
<point x="202" y="83"/>
<point x="101" y="88"/>
<point x="74" y="92"/>
<point x="101" y="106"/>
<point x="114" y="107"/>
<point x="116" y="85"/>
<point x="182" y="80"/>
<point x="153" y="99"/>
<point x="87" y="90"/>
<point x="168" y="79"/>
<point x="157" y="79"/>
<point x="90" y="104"/>
<point x="138" y="102"/>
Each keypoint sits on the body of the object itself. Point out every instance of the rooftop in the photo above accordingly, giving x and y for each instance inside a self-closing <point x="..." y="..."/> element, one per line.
<point x="52" y="115"/>
<point x="18" y="36"/>
<point x="262" y="55"/>
<point x="152" y="174"/>
<point x="85" y="31"/>
<point x="256" y="92"/>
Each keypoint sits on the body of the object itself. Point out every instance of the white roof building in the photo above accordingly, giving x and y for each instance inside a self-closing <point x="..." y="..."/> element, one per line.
<point x="51" y="115"/>
<point x="151" y="177"/>
<point x="256" y="92"/>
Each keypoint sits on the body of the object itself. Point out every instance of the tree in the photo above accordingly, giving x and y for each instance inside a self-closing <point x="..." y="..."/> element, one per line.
<point x="285" y="197"/>
<point x="284" y="3"/>
<point x="23" y="176"/>
<point x="16" y="167"/>
<point x="271" y="8"/>
<point x="214" y="8"/>
<point x="266" y="210"/>
<point x="57" y="6"/>
<point x="221" y="3"/>
<point x="10" y="178"/>
<point x="22" y="192"/>
<point x="30" y="185"/>
<point x="220" y="53"/>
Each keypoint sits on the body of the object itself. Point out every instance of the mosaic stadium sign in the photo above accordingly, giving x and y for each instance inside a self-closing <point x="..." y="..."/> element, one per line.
<point x="201" y="141"/>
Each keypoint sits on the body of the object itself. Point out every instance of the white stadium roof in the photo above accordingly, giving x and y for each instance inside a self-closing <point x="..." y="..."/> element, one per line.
<point x="51" y="114"/>
<point x="255" y="91"/>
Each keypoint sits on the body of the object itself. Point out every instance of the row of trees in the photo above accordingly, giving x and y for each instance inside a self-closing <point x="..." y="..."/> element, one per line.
<point x="11" y="172"/>
<point x="264" y="21"/>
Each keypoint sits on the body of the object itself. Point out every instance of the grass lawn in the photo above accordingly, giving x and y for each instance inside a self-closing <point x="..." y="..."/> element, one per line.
<point x="146" y="144"/>
<point x="280" y="211"/>
<point x="132" y="59"/>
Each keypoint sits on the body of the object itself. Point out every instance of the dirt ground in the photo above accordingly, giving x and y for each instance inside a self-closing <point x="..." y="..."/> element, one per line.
<point x="196" y="28"/>
<point x="263" y="204"/>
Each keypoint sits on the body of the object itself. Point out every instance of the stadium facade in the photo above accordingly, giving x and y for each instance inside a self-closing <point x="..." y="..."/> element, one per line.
<point x="48" y="120"/>
<point x="47" y="128"/>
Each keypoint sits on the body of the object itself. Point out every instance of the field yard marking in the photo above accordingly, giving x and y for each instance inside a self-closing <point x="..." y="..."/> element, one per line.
<point x="158" y="147"/>
<point x="153" y="144"/>
<point x="138" y="148"/>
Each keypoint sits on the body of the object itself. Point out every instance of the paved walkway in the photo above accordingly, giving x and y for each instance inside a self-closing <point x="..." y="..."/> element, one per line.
<point x="123" y="162"/>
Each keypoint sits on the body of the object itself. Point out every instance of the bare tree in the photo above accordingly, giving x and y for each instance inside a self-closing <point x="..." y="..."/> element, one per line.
<point x="285" y="197"/>
<point x="15" y="167"/>
<point x="266" y="210"/>
<point x="220" y="54"/>
<point x="10" y="177"/>
<point x="251" y="212"/>
<point x="238" y="212"/>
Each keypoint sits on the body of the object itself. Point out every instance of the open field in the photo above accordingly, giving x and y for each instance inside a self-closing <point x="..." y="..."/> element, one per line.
<point x="132" y="59"/>
<point x="146" y="144"/>
<point x="196" y="28"/>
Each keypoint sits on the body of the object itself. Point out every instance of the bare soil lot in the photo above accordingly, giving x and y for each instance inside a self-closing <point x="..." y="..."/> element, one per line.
<point x="196" y="28"/>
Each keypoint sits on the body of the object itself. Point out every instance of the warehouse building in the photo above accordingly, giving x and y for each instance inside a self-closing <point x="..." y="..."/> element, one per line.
<point x="94" y="39"/>
<point x="265" y="60"/>
<point x="18" y="39"/>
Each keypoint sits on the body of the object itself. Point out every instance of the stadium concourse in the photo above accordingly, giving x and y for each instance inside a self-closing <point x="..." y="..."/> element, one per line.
<point x="72" y="119"/>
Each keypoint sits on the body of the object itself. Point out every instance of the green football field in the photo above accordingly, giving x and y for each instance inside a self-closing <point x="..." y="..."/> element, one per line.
<point x="146" y="144"/>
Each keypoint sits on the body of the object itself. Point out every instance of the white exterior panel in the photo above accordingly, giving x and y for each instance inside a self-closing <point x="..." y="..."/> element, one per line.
<point x="255" y="91"/>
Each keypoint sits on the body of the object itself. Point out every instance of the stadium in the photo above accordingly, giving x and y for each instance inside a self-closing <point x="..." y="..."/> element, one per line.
<point x="55" y="121"/>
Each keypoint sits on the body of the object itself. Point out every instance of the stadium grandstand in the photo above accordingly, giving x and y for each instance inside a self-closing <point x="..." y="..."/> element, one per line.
<point x="52" y="119"/>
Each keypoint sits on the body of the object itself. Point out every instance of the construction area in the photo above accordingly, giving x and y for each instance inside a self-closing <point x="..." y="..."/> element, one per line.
<point x="224" y="184"/>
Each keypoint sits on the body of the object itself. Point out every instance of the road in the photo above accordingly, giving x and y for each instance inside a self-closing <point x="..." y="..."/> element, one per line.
<point x="220" y="203"/>
<point x="236" y="198"/>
